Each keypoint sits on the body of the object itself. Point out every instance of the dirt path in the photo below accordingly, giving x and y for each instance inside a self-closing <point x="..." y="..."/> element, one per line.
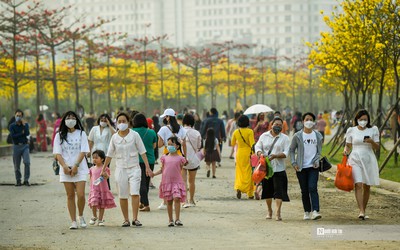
<point x="36" y="217"/>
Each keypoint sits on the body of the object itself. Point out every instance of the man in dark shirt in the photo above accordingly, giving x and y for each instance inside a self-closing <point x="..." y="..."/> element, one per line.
<point x="19" y="131"/>
<point x="217" y="124"/>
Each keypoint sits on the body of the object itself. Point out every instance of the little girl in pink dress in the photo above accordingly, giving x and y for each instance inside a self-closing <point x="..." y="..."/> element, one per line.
<point x="172" y="188"/>
<point x="100" y="196"/>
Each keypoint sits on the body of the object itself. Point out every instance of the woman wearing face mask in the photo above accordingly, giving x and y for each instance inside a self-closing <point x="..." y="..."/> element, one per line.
<point x="361" y="142"/>
<point x="100" y="136"/>
<point x="126" y="145"/>
<point x="275" y="145"/>
<point x="171" y="129"/>
<point x="70" y="147"/>
<point x="305" y="152"/>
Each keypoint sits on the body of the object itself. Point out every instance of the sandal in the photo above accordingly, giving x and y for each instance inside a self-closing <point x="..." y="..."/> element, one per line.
<point x="171" y="224"/>
<point x="136" y="223"/>
<point x="361" y="216"/>
<point x="238" y="194"/>
<point x="278" y="218"/>
<point x="126" y="224"/>
<point x="178" y="223"/>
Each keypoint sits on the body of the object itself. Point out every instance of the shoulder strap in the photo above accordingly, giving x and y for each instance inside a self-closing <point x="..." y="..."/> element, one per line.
<point x="273" y="144"/>
<point x="190" y="141"/>
<point x="243" y="138"/>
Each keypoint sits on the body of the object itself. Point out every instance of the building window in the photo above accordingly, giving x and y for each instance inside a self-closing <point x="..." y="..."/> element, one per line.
<point x="288" y="18"/>
<point x="288" y="7"/>
<point x="288" y="29"/>
<point x="288" y="40"/>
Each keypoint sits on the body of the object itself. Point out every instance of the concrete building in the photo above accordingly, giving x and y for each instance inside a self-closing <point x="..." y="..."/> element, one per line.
<point x="282" y="26"/>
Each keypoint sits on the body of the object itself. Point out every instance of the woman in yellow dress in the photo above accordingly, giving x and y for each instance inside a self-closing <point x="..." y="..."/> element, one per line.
<point x="244" y="138"/>
<point x="326" y="117"/>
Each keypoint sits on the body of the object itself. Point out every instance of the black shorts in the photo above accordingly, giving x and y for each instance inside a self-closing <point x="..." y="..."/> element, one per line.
<point x="276" y="187"/>
<point x="193" y="169"/>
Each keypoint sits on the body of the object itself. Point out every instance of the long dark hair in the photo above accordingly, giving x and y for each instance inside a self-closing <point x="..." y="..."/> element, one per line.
<point x="174" y="124"/>
<point x="107" y="117"/>
<point x="360" y="113"/>
<point x="210" y="140"/>
<point x="139" y="121"/>
<point x="63" y="130"/>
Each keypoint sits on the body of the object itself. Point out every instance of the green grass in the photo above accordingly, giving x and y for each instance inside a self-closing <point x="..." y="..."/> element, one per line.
<point x="390" y="172"/>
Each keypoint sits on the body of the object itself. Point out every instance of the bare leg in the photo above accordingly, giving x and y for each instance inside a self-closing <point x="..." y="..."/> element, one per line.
<point x="214" y="167"/>
<point x="135" y="206"/>
<point x="366" y="193"/>
<point x="184" y="177"/>
<point x="80" y="191"/>
<point x="177" y="204"/>
<point x="359" y="197"/>
<point x="269" y="207"/>
<point x="70" y="190"/>
<point x="124" y="208"/>
<point x="232" y="151"/>
<point x="101" y="213"/>
<point x="192" y="184"/>
<point x="278" y="208"/>
<point x="94" y="211"/>
<point x="169" y="209"/>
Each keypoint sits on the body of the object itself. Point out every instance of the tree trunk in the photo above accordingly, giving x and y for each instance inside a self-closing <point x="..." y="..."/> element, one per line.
<point x="75" y="74"/>
<point x="55" y="88"/>
<point x="109" y="84"/>
<point x="196" y="77"/>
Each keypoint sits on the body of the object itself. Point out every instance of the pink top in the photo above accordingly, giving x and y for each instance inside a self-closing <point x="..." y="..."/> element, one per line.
<point x="57" y="124"/>
<point x="321" y="124"/>
<point x="172" y="185"/>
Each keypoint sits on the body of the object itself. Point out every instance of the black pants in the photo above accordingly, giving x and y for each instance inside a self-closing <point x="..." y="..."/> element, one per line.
<point x="145" y="184"/>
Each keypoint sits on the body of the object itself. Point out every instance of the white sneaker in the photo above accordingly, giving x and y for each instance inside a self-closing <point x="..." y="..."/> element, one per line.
<point x="101" y="223"/>
<point x="192" y="204"/>
<point x="306" y="216"/>
<point x="82" y="222"/>
<point x="316" y="215"/>
<point x="93" y="221"/>
<point x="162" y="206"/>
<point x="186" y="205"/>
<point x="73" y="225"/>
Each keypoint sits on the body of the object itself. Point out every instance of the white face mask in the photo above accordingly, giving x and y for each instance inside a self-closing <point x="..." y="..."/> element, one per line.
<point x="309" y="124"/>
<point x="70" y="123"/>
<point x="122" y="126"/>
<point x="103" y="124"/>
<point x="362" y="123"/>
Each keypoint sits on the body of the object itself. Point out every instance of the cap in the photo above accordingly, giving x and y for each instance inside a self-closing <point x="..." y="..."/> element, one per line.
<point x="179" y="116"/>
<point x="168" y="112"/>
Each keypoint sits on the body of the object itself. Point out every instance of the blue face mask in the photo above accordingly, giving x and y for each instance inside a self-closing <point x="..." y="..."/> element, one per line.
<point x="171" y="148"/>
<point x="17" y="118"/>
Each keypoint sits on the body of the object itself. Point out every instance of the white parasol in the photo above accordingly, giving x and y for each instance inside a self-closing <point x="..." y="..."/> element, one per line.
<point x="258" y="108"/>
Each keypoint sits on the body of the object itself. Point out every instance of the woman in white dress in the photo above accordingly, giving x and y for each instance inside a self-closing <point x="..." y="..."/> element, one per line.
<point x="70" y="147"/>
<point x="100" y="136"/>
<point x="193" y="145"/>
<point x="361" y="142"/>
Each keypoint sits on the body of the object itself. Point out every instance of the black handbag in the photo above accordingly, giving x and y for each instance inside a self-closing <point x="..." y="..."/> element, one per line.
<point x="324" y="164"/>
<point x="56" y="167"/>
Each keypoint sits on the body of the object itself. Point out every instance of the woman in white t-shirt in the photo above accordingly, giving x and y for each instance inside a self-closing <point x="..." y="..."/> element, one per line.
<point x="308" y="144"/>
<point x="125" y="146"/>
<point x="100" y="135"/>
<point x="362" y="140"/>
<point x="70" y="147"/>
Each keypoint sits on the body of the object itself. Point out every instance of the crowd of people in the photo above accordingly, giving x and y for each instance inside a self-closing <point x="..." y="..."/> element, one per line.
<point x="133" y="141"/>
